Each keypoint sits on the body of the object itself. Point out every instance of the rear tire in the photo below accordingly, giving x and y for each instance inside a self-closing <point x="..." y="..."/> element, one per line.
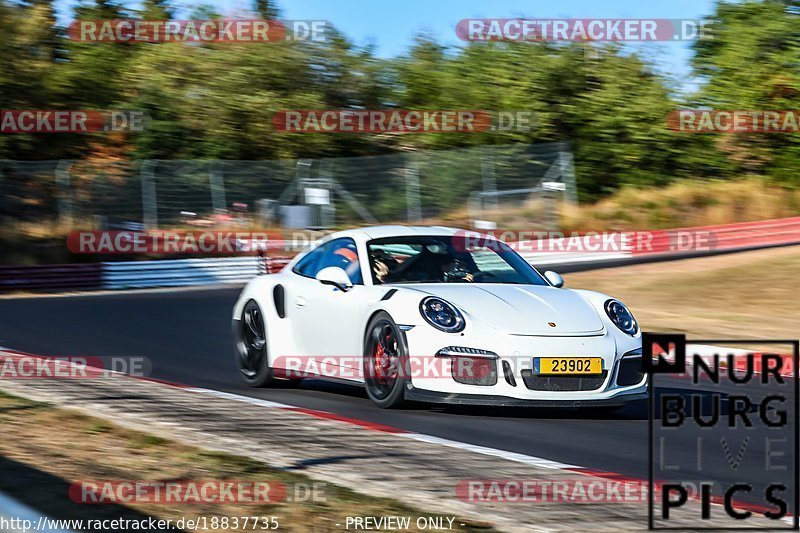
<point x="250" y="347"/>
<point x="385" y="362"/>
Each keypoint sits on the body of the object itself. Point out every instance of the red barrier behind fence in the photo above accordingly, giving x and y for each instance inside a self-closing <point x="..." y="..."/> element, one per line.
<point x="739" y="235"/>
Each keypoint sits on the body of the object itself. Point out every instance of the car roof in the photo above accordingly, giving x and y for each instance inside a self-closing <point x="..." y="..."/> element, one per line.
<point x="379" y="232"/>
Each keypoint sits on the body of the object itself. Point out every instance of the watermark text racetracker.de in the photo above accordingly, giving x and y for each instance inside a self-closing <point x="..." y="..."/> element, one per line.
<point x="534" y="241"/>
<point x="552" y="490"/>
<point x="180" y="242"/>
<point x="23" y="366"/>
<point x="70" y="121"/>
<point x="580" y="30"/>
<point x="199" y="31"/>
<point x="379" y="121"/>
<point x="220" y="242"/>
<point x="194" y="491"/>
<point x="734" y="121"/>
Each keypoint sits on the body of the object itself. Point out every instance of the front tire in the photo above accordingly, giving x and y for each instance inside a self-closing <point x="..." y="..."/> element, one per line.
<point x="250" y="347"/>
<point x="384" y="362"/>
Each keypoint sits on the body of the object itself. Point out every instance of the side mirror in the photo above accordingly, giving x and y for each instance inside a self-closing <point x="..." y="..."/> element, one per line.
<point x="554" y="278"/>
<point x="335" y="276"/>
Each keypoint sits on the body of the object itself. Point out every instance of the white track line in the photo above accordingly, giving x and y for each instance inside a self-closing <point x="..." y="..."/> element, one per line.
<point x="239" y="398"/>
<point x="493" y="452"/>
<point x="421" y="437"/>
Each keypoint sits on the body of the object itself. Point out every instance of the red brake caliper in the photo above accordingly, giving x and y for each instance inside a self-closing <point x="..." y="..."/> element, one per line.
<point x="381" y="360"/>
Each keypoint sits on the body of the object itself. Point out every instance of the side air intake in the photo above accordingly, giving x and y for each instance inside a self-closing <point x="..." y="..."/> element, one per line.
<point x="279" y="298"/>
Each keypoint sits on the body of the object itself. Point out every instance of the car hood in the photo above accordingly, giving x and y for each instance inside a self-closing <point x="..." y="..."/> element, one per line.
<point x="522" y="309"/>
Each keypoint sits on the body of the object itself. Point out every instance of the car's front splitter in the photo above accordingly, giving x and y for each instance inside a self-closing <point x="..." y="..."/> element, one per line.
<point x="420" y="395"/>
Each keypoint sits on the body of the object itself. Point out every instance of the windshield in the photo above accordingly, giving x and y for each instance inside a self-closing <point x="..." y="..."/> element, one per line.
<point x="448" y="259"/>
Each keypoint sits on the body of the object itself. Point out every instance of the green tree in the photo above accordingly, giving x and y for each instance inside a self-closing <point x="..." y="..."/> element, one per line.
<point x="751" y="63"/>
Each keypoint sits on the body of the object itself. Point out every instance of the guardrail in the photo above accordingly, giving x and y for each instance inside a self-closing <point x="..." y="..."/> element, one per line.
<point x="61" y="277"/>
<point x="178" y="272"/>
<point x="662" y="245"/>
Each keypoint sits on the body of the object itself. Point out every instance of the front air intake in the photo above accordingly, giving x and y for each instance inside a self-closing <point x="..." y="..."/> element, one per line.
<point x="474" y="371"/>
<point x="563" y="383"/>
<point x="630" y="371"/>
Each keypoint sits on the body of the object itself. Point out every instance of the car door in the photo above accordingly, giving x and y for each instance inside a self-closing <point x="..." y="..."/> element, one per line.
<point x="328" y="321"/>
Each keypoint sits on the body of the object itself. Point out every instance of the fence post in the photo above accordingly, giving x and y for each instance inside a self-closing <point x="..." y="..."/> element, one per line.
<point x="64" y="193"/>
<point x="475" y="206"/>
<point x="328" y="210"/>
<point x="217" y="184"/>
<point x="353" y="203"/>
<point x="567" y="167"/>
<point x="488" y="176"/>
<point x="149" y="201"/>
<point x="413" y="207"/>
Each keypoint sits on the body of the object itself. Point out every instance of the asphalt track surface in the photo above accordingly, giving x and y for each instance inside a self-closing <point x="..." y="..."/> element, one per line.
<point x="187" y="337"/>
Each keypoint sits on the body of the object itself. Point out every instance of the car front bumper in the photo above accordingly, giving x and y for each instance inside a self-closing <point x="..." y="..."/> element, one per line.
<point x="515" y="383"/>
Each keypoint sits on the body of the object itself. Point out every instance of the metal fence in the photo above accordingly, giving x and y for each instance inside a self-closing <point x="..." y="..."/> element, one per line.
<point x="319" y="193"/>
<point x="220" y="270"/>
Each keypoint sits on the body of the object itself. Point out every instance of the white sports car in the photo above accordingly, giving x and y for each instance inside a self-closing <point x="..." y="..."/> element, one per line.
<point x="437" y="315"/>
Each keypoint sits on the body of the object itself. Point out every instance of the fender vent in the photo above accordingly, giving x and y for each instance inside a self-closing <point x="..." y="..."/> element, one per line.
<point x="280" y="300"/>
<point x="388" y="295"/>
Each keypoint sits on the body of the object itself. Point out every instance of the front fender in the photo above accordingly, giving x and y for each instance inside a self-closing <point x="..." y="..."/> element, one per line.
<point x="402" y="305"/>
<point x="625" y="342"/>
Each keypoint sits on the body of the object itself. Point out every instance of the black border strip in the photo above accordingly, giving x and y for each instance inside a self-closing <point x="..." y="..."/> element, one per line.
<point x="795" y="344"/>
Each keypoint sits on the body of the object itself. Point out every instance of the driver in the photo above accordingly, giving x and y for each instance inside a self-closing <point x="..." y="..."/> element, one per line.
<point x="448" y="266"/>
<point x="382" y="265"/>
<point x="454" y="270"/>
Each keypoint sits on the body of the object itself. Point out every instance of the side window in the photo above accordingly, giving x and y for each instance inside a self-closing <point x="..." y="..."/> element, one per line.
<point x="342" y="253"/>
<point x="339" y="253"/>
<point x="307" y="265"/>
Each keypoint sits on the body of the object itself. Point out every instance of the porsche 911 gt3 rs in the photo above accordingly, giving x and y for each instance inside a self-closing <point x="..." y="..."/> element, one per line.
<point x="437" y="315"/>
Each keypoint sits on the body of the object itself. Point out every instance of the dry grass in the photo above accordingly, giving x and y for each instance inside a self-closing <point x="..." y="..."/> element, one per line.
<point x="743" y="295"/>
<point x="682" y="204"/>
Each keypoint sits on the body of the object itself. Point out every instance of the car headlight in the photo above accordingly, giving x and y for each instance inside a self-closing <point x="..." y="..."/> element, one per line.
<point x="621" y="317"/>
<point x="441" y="314"/>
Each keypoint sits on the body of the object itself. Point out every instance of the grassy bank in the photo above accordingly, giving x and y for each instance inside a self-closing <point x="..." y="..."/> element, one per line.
<point x="686" y="203"/>
<point x="681" y="204"/>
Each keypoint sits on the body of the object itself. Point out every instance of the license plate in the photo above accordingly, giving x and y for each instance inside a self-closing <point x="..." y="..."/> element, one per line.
<point x="567" y="365"/>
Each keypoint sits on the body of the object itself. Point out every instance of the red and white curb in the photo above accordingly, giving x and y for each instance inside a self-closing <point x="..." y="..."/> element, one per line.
<point x="529" y="460"/>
